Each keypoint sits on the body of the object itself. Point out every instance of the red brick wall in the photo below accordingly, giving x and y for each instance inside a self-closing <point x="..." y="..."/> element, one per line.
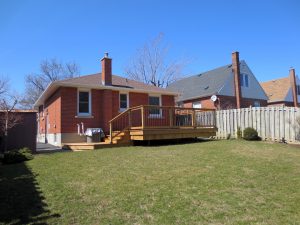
<point x="226" y="102"/>
<point x="168" y="100"/>
<point x="136" y="99"/>
<point x="115" y="104"/>
<point x="51" y="113"/>
<point x="109" y="107"/>
<point x="276" y="104"/>
<point x="69" y="117"/>
<point x="205" y="103"/>
<point x="62" y="109"/>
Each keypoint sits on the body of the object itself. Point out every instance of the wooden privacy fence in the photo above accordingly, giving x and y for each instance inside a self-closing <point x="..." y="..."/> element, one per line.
<point x="271" y="123"/>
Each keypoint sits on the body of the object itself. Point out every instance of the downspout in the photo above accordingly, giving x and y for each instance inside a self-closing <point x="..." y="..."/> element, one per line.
<point x="82" y="128"/>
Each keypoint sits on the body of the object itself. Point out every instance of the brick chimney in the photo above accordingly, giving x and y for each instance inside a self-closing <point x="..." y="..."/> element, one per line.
<point x="294" y="86"/>
<point x="106" y="74"/>
<point x="236" y="73"/>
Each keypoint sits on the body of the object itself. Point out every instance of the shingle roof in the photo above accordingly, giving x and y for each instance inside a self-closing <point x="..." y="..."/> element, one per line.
<point x="276" y="90"/>
<point x="203" y="84"/>
<point x="117" y="81"/>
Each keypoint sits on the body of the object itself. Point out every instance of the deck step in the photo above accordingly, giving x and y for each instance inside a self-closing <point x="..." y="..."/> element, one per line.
<point x="91" y="146"/>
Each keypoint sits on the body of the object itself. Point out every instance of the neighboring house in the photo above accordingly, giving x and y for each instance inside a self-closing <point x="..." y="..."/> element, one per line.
<point x="91" y="102"/>
<point x="283" y="91"/>
<point x="234" y="85"/>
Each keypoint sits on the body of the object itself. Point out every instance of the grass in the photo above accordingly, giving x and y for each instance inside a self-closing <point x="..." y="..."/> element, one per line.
<point x="220" y="182"/>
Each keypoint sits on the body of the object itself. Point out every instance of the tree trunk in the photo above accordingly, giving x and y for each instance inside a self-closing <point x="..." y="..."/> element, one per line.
<point x="5" y="132"/>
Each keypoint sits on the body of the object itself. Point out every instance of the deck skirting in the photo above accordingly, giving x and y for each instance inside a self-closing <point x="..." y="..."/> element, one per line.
<point x="163" y="134"/>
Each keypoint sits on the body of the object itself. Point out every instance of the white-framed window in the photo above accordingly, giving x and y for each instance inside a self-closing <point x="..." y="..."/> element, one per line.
<point x="256" y="103"/>
<point x="84" y="103"/>
<point x="123" y="102"/>
<point x="244" y="80"/>
<point x="154" y="112"/>
<point x="298" y="89"/>
<point x="197" y="105"/>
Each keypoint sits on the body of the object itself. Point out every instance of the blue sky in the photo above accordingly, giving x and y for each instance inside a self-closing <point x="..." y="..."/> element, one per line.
<point x="266" y="33"/>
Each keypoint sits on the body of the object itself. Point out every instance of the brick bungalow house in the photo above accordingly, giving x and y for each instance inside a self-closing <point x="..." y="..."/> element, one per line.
<point x="283" y="91"/>
<point x="91" y="101"/>
<point x="234" y="86"/>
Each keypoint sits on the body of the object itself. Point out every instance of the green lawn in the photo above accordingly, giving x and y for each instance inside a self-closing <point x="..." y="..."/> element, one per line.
<point x="219" y="182"/>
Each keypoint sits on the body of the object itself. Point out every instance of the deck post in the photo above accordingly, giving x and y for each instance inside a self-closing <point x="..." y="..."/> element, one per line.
<point x="171" y="116"/>
<point x="193" y="118"/>
<point x="110" y="133"/>
<point x="143" y="116"/>
<point x="129" y="119"/>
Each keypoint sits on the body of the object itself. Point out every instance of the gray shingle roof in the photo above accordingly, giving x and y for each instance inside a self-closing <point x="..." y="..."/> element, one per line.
<point x="203" y="84"/>
<point x="117" y="81"/>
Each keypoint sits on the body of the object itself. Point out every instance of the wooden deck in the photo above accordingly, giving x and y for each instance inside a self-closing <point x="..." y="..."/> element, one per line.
<point x="149" y="134"/>
<point x="163" y="122"/>
<point x="145" y="123"/>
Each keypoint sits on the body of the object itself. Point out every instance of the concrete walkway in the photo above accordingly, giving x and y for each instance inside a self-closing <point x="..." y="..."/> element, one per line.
<point x="48" y="148"/>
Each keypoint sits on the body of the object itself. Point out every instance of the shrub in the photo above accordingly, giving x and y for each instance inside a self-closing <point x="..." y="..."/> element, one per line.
<point x="17" y="156"/>
<point x="251" y="134"/>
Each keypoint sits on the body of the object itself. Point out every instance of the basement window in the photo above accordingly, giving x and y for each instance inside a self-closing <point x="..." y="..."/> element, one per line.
<point x="84" y="103"/>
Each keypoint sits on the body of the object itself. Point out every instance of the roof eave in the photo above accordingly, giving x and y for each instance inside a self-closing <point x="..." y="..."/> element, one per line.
<point x="62" y="84"/>
<point x="40" y="100"/>
<point x="57" y="84"/>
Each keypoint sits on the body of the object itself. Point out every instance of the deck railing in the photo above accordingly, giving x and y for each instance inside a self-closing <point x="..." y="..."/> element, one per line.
<point x="146" y="116"/>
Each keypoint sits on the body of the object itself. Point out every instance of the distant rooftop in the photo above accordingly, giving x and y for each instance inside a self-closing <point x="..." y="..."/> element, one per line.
<point x="276" y="90"/>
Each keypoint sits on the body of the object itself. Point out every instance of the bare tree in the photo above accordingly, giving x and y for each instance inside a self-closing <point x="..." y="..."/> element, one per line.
<point x="4" y="85"/>
<point x="9" y="118"/>
<point x="50" y="70"/>
<point x="150" y="65"/>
